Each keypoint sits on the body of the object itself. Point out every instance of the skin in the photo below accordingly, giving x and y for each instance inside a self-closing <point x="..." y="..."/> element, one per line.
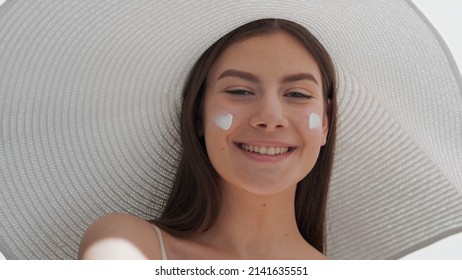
<point x="257" y="216"/>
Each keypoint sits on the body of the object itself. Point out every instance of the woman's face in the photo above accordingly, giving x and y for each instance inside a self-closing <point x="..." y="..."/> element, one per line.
<point x="264" y="120"/>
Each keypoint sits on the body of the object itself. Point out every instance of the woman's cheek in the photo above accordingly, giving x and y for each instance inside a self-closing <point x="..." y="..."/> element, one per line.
<point x="314" y="121"/>
<point x="223" y="120"/>
<point x="311" y="123"/>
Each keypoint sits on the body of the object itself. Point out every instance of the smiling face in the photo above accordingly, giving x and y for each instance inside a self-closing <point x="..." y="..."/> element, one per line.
<point x="264" y="118"/>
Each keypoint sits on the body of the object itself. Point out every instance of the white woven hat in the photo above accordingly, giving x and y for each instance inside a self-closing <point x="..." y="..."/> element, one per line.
<point x="90" y="93"/>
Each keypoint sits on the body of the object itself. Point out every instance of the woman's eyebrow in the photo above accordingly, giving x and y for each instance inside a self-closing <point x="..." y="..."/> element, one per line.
<point x="298" y="77"/>
<point x="253" y="78"/>
<point x="239" y="74"/>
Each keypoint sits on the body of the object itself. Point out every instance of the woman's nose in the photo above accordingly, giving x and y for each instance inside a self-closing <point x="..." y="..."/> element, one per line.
<point x="269" y="114"/>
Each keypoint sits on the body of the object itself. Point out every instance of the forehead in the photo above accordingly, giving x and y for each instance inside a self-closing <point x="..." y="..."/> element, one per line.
<point x="278" y="52"/>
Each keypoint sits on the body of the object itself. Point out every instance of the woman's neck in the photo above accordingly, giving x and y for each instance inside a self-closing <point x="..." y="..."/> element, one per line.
<point x="255" y="226"/>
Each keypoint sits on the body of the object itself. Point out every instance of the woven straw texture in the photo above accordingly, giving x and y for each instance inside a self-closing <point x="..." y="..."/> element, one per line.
<point x="90" y="94"/>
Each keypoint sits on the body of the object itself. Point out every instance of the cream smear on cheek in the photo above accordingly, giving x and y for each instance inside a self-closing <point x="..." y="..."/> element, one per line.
<point x="223" y="120"/>
<point x="314" y="121"/>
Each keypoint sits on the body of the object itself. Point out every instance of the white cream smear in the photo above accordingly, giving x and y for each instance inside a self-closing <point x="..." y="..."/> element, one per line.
<point x="315" y="121"/>
<point x="224" y="120"/>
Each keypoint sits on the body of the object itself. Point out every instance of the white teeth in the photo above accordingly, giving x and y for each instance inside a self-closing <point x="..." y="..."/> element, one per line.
<point x="262" y="151"/>
<point x="271" y="151"/>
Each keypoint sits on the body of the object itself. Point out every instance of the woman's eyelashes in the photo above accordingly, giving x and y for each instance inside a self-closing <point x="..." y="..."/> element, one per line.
<point x="238" y="92"/>
<point x="297" y="94"/>
<point x="294" y="94"/>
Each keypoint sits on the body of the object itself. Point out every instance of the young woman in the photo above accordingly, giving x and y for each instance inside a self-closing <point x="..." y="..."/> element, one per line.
<point x="258" y="133"/>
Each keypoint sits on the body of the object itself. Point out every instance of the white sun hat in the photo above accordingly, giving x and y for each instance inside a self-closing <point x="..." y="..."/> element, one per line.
<point x="90" y="94"/>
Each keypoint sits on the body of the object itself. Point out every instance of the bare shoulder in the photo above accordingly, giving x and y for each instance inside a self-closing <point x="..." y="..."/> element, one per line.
<point x="120" y="236"/>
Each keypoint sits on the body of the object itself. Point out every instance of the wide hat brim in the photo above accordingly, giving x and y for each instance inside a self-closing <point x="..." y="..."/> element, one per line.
<point x="90" y="94"/>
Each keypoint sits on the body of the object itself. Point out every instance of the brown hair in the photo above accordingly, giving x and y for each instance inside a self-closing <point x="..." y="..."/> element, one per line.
<point x="195" y="198"/>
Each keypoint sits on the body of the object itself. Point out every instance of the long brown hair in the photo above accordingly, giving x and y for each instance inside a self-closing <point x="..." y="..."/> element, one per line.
<point x="195" y="199"/>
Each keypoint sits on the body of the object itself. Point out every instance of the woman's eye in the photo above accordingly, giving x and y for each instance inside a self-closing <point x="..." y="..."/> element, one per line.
<point x="238" y="92"/>
<point x="298" y="95"/>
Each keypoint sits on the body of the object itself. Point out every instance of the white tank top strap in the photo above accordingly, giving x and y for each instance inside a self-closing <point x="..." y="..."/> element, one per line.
<point x="161" y="243"/>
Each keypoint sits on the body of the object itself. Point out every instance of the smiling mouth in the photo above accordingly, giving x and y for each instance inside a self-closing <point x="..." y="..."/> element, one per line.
<point x="262" y="150"/>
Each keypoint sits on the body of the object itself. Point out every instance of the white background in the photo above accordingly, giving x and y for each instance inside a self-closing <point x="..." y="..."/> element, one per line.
<point x="445" y="15"/>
